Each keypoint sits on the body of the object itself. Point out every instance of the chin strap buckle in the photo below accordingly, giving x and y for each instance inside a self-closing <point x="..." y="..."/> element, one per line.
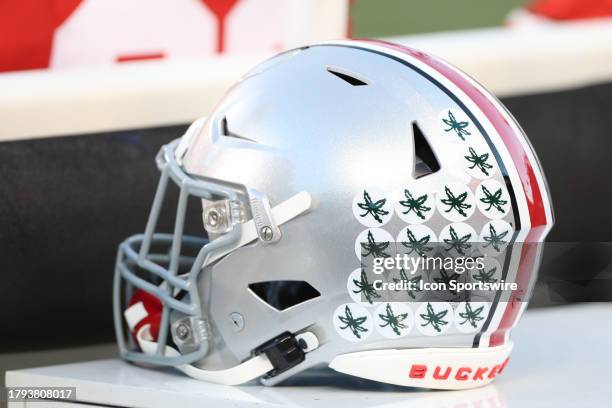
<point x="286" y="351"/>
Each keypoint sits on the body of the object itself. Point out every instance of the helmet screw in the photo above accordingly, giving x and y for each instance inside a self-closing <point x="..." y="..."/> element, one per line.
<point x="183" y="332"/>
<point x="266" y="233"/>
<point x="213" y="218"/>
<point x="237" y="321"/>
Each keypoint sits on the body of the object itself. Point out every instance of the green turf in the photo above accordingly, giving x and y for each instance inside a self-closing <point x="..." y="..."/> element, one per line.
<point x="381" y="18"/>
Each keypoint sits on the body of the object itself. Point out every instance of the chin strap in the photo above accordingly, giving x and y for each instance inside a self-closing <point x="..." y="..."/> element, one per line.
<point x="254" y="367"/>
<point x="266" y="361"/>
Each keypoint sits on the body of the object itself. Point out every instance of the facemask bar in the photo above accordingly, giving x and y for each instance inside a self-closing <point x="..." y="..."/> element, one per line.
<point x="135" y="253"/>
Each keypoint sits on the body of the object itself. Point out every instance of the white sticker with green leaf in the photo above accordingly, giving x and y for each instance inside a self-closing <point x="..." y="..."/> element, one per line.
<point x="412" y="278"/>
<point x="360" y="287"/>
<point x="479" y="162"/>
<point x="416" y="241"/>
<point x="458" y="239"/>
<point x="393" y="320"/>
<point x="414" y="205"/>
<point x="491" y="272"/>
<point x="372" y="208"/>
<point x="471" y="316"/>
<point x="374" y="243"/>
<point x="434" y="318"/>
<point x="455" y="201"/>
<point x="495" y="236"/>
<point x="455" y="125"/>
<point x="493" y="199"/>
<point x="353" y="322"/>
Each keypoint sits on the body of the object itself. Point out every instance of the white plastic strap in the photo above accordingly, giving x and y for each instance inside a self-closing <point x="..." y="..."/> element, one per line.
<point x="249" y="370"/>
<point x="134" y="315"/>
<point x="285" y="211"/>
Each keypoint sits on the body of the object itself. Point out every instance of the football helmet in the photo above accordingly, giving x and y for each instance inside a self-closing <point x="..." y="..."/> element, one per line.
<point x="315" y="161"/>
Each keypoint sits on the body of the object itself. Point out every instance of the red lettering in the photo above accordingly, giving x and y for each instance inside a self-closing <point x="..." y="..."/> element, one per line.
<point x="418" y="371"/>
<point x="504" y="364"/>
<point x="478" y="375"/>
<point x="463" y="373"/>
<point x="494" y="371"/>
<point x="444" y="376"/>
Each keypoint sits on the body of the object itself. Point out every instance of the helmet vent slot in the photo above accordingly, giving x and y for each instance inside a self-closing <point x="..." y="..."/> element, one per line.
<point x="425" y="162"/>
<point x="283" y="294"/>
<point x="347" y="77"/>
<point x="226" y="132"/>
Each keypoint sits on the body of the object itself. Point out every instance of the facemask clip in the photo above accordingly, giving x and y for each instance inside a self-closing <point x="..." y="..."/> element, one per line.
<point x="220" y="216"/>
<point x="267" y="230"/>
<point x="188" y="333"/>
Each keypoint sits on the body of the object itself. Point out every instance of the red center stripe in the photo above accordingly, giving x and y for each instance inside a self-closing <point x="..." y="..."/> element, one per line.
<point x="533" y="194"/>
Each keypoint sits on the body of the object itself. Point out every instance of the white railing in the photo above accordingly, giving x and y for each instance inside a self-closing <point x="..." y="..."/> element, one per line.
<point x="509" y="61"/>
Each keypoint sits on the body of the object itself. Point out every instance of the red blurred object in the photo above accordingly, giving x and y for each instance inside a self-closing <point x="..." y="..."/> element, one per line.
<point x="571" y="9"/>
<point x="154" y="310"/>
<point x="26" y="31"/>
<point x="350" y="25"/>
<point x="220" y="9"/>
<point x="140" y="57"/>
<point x="60" y="34"/>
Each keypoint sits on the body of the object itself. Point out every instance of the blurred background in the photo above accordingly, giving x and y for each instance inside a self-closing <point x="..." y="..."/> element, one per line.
<point x="89" y="91"/>
<point x="397" y="17"/>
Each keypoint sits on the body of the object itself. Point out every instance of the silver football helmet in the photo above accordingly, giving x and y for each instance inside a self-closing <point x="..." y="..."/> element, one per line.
<point x="314" y="165"/>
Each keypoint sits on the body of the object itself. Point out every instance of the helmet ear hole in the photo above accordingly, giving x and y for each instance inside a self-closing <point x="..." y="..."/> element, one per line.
<point x="283" y="294"/>
<point x="425" y="162"/>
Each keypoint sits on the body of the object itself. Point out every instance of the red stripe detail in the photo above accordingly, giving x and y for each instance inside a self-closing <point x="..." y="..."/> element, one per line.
<point x="527" y="264"/>
<point x="140" y="57"/>
<point x="533" y="194"/>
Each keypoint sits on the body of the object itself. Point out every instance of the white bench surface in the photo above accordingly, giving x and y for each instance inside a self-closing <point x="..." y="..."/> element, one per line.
<point x="562" y="358"/>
